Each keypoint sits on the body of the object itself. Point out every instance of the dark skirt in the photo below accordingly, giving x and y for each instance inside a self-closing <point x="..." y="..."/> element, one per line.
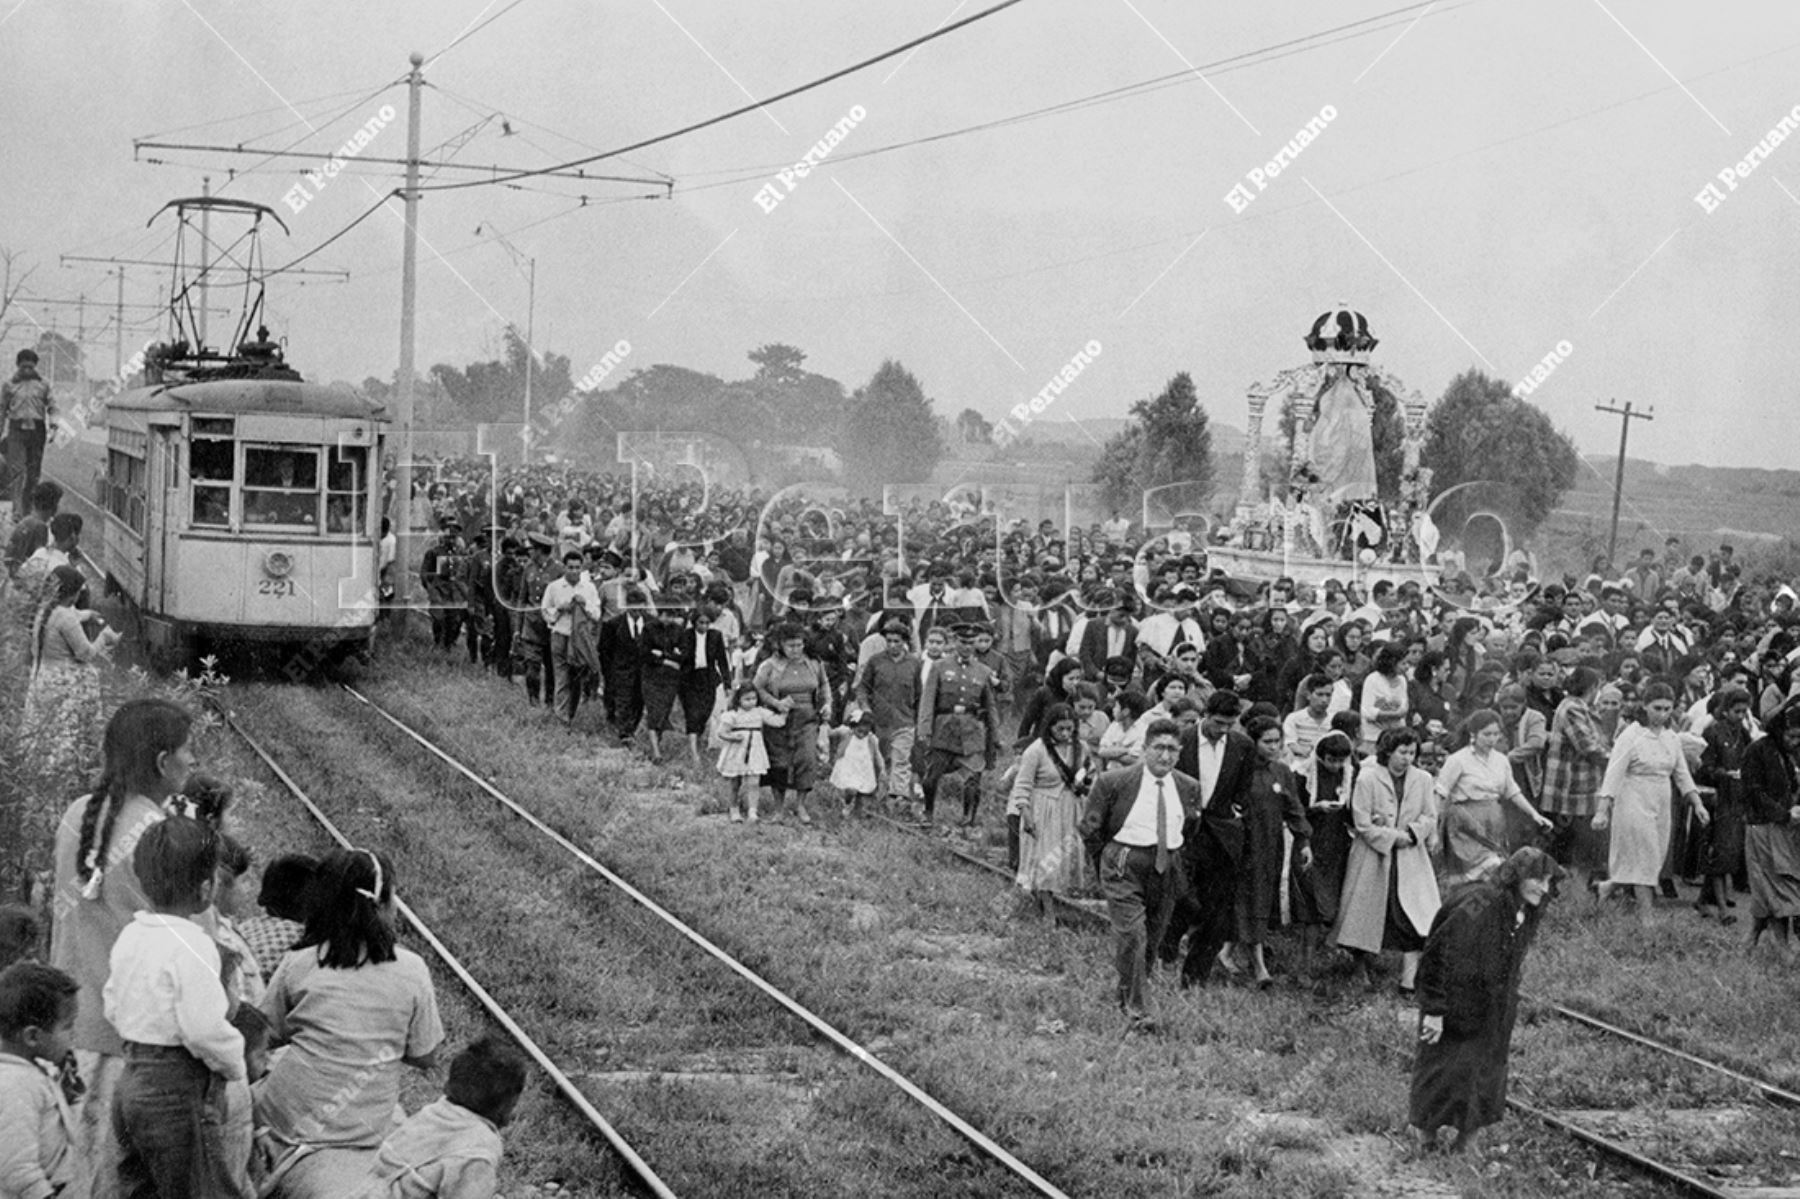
<point x="1399" y="935"/>
<point x="793" y="752"/>
<point x="660" y="685"/>
<point x="1460" y="1082"/>
<point x="1314" y="894"/>
<point x="1722" y="841"/>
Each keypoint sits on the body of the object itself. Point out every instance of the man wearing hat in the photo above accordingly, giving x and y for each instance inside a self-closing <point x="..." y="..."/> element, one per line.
<point x="444" y="571"/>
<point x="623" y="659"/>
<point x="26" y="411"/>
<point x="531" y="633"/>
<point x="959" y="725"/>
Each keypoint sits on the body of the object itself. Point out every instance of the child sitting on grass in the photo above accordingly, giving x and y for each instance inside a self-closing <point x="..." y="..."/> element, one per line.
<point x="283" y="897"/>
<point x="451" y="1149"/>
<point x="743" y="758"/>
<point x="164" y="997"/>
<point x="37" y="1020"/>
<point x="857" y="774"/>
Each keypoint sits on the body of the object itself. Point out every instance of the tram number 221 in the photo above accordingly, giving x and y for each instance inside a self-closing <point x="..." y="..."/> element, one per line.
<point x="279" y="587"/>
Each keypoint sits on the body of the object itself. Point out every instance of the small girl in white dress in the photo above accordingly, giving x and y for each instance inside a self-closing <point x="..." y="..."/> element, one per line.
<point x="859" y="768"/>
<point x="743" y="755"/>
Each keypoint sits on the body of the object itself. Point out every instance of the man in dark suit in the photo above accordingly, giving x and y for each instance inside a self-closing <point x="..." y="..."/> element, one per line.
<point x="622" y="662"/>
<point x="1135" y="825"/>
<point x="1220" y="759"/>
<point x="1113" y="635"/>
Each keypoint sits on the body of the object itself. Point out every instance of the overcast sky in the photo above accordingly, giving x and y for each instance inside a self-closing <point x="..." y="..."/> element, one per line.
<point x="1501" y="175"/>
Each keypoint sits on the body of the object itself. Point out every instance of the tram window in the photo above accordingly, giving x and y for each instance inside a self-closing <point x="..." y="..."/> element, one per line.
<point x="212" y="459"/>
<point x="346" y="501"/>
<point x="212" y="464"/>
<point x="125" y="488"/>
<point x="281" y="486"/>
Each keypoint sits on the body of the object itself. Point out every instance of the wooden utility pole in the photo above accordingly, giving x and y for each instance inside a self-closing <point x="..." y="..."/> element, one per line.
<point x="1626" y="415"/>
<point x="409" y="285"/>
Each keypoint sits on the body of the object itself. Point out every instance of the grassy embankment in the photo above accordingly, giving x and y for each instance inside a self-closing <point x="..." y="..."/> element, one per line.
<point x="1011" y="1023"/>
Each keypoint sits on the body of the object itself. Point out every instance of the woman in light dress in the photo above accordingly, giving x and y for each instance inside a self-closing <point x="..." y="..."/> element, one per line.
<point x="1047" y="794"/>
<point x="1635" y="800"/>
<point x="1475" y="783"/>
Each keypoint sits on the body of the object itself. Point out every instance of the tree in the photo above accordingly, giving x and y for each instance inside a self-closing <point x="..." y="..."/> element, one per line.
<point x="891" y="433"/>
<point x="1170" y="443"/>
<point x="59" y="358"/>
<point x="1480" y="432"/>
<point x="493" y="392"/>
<point x="785" y="402"/>
<point x="973" y="428"/>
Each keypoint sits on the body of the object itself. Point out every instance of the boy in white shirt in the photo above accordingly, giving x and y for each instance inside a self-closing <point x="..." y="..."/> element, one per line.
<point x="165" y="999"/>
<point x="1301" y="729"/>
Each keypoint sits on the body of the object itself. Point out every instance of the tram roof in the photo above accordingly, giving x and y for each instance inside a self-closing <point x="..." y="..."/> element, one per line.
<point x="274" y="396"/>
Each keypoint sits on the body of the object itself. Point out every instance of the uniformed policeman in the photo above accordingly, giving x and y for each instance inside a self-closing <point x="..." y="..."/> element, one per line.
<point x="532" y="635"/>
<point x="959" y="724"/>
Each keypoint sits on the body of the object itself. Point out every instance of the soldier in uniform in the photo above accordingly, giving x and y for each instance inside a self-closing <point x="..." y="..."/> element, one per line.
<point x="959" y="724"/>
<point x="478" y="589"/>
<point x="500" y="584"/>
<point x="531" y="633"/>
<point x="445" y="587"/>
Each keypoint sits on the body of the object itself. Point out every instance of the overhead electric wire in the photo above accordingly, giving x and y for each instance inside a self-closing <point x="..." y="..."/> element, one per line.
<point x="1222" y="66"/>
<point x="479" y="107"/>
<point x="370" y="211"/>
<point x="244" y="116"/>
<point x="753" y="106"/>
<point x="466" y="34"/>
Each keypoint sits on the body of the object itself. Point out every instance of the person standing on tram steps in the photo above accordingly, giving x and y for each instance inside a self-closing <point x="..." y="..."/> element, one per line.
<point x="26" y="412"/>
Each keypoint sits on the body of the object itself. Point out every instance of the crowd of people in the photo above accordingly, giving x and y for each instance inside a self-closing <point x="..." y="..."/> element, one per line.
<point x="1398" y="769"/>
<point x="1403" y="770"/>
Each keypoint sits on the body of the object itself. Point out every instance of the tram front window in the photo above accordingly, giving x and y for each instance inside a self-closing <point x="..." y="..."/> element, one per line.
<point x="212" y="463"/>
<point x="281" y="486"/>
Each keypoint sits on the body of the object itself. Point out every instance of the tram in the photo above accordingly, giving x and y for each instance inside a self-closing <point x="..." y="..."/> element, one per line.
<point x="239" y="503"/>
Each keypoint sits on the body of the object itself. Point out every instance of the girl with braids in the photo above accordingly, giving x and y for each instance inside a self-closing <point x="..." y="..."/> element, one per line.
<point x="352" y="1006"/>
<point x="58" y="736"/>
<point x="146" y="760"/>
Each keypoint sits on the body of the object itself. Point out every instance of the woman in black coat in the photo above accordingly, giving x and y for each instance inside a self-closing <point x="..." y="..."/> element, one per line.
<point x="1469" y="997"/>
<point x="1059" y="688"/>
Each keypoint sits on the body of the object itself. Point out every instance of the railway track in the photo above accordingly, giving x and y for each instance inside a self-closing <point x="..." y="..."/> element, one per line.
<point x="819" y="1027"/>
<point x="629" y="1157"/>
<point x="1687" y="1180"/>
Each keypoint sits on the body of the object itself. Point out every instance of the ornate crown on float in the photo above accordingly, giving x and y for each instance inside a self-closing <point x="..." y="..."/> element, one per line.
<point x="1341" y="336"/>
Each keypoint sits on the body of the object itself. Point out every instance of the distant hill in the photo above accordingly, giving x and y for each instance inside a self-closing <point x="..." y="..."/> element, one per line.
<point x="1689" y="500"/>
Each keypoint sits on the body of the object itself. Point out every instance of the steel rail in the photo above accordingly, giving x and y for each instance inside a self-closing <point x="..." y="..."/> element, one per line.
<point x="1562" y="1123"/>
<point x="1080" y="914"/>
<point x="1768" y="1090"/>
<point x="1624" y="1152"/>
<point x="913" y="1091"/>
<point x="570" y="1091"/>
